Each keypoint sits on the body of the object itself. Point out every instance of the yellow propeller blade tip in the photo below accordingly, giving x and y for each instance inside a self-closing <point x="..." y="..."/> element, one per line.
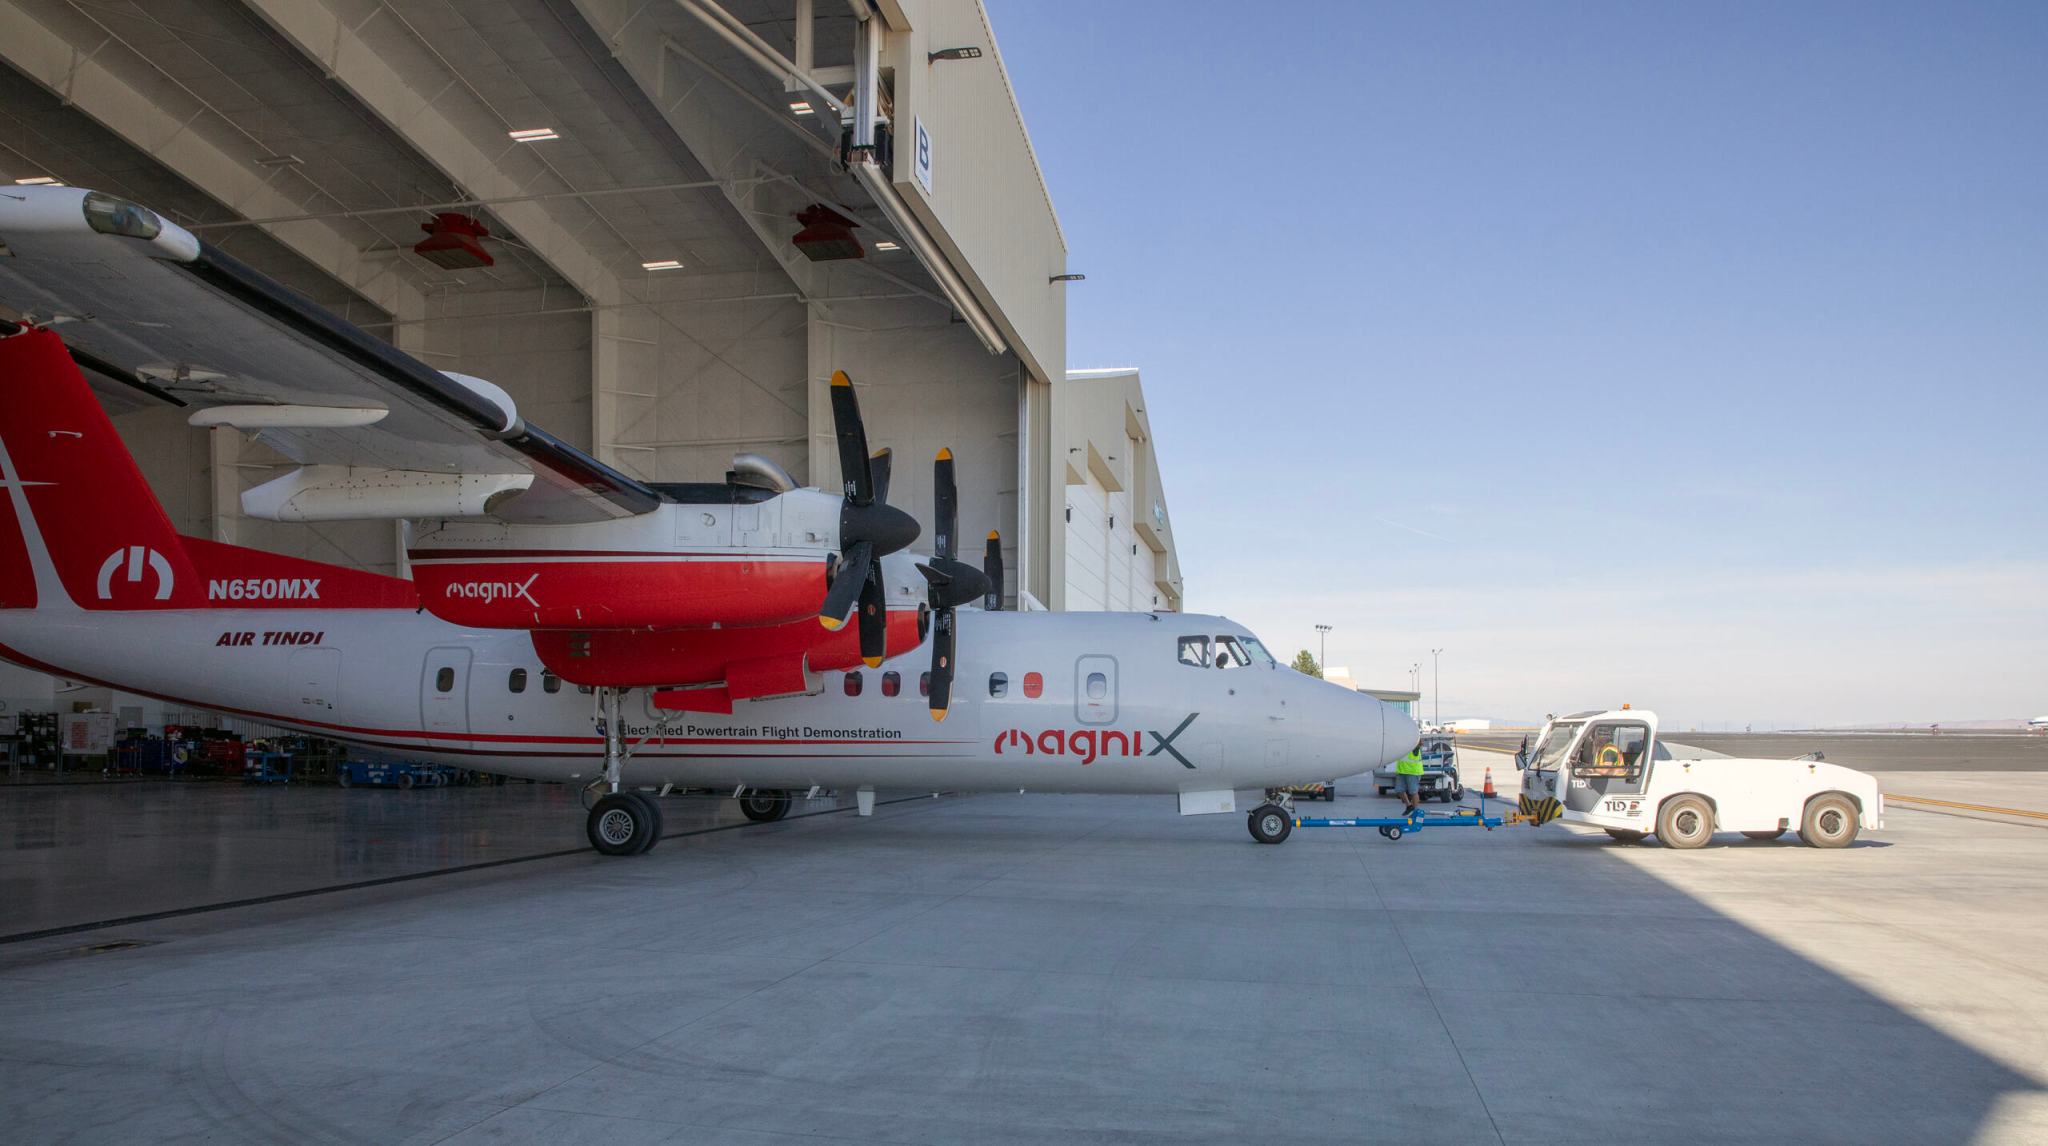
<point x="945" y="455"/>
<point x="938" y="714"/>
<point x="839" y="378"/>
<point x="831" y="623"/>
<point x="884" y="452"/>
<point x="994" y="536"/>
<point x="872" y="662"/>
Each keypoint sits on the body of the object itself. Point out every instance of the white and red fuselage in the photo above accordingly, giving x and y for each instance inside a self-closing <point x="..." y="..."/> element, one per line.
<point x="95" y="585"/>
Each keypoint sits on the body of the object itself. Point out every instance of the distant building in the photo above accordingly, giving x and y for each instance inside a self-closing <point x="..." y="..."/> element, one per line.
<point x="1405" y="701"/>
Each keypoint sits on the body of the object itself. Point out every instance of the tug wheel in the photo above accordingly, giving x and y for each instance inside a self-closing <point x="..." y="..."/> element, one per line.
<point x="1685" y="822"/>
<point x="1392" y="833"/>
<point x="1830" y="822"/>
<point x="1269" y="823"/>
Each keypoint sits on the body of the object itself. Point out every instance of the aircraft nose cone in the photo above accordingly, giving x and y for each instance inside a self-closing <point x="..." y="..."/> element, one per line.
<point x="1398" y="733"/>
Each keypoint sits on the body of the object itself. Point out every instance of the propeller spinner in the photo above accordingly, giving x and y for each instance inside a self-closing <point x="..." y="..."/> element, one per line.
<point x="869" y="528"/>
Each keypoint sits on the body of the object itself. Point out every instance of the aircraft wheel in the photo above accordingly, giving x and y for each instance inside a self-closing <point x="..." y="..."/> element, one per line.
<point x="653" y="810"/>
<point x="1685" y="822"/>
<point x="1384" y="792"/>
<point x="1269" y="823"/>
<point x="1773" y="834"/>
<point x="622" y="824"/>
<point x="764" y="805"/>
<point x="1830" y="822"/>
<point x="1626" y="836"/>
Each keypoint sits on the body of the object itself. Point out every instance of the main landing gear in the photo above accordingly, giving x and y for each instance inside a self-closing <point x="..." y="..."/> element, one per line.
<point x="764" y="805"/>
<point x="1273" y="821"/>
<point x="622" y="822"/>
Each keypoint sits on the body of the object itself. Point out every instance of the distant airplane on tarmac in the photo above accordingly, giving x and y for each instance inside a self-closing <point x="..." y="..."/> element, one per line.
<point x="2038" y="724"/>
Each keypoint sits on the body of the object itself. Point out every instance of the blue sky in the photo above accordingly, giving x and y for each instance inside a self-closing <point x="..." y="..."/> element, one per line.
<point x="1689" y="355"/>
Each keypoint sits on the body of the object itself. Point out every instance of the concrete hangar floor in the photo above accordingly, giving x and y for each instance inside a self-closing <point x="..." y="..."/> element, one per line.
<point x="1002" y="968"/>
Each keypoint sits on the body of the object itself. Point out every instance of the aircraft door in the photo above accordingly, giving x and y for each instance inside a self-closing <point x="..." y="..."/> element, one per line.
<point x="315" y="681"/>
<point x="1095" y="689"/>
<point x="444" y="697"/>
<point x="1610" y="768"/>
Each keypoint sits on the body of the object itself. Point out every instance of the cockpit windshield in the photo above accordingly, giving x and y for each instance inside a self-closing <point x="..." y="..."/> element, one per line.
<point x="1258" y="651"/>
<point x="1549" y="751"/>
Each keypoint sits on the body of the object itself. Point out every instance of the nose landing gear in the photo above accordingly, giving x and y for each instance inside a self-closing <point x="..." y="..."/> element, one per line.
<point x="1272" y="822"/>
<point x="622" y="822"/>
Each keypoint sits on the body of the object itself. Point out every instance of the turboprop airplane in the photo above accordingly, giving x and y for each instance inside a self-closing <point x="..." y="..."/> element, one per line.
<point x="566" y="622"/>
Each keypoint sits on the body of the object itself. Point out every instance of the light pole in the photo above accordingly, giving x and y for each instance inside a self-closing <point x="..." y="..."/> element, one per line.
<point x="1436" y="684"/>
<point x="1323" y="651"/>
<point x="1415" y="678"/>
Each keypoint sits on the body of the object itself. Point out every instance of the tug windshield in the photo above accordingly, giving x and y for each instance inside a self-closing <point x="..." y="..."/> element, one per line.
<point x="1549" y="751"/>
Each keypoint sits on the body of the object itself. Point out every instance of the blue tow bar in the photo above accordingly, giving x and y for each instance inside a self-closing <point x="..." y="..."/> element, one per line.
<point x="1394" y="827"/>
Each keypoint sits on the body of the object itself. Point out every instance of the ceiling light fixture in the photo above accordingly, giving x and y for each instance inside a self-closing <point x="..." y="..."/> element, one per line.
<point x="534" y="134"/>
<point x="954" y="54"/>
<point x="278" y="161"/>
<point x="801" y="107"/>
<point x="886" y="245"/>
<point x="37" y="181"/>
<point x="662" y="265"/>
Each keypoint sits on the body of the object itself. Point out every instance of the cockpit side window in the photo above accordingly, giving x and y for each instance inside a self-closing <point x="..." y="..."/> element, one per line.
<point x="1195" y="651"/>
<point x="1611" y="749"/>
<point x="1229" y="654"/>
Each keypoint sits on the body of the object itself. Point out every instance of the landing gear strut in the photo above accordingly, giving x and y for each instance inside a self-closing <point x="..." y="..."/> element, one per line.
<point x="622" y="822"/>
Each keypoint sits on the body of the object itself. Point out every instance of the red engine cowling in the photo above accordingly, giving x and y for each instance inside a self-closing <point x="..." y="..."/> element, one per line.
<point x="558" y="589"/>
<point x="763" y="661"/>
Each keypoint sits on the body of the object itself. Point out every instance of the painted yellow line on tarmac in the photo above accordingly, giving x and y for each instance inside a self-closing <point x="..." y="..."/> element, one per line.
<point x="1889" y="797"/>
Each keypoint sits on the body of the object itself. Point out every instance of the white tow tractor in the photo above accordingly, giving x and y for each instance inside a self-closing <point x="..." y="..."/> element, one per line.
<point x="1610" y="770"/>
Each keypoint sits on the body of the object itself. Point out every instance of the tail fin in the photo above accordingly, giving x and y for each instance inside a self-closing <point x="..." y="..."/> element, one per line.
<point x="77" y="520"/>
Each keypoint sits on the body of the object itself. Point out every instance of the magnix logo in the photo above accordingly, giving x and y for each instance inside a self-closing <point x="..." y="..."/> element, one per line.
<point x="135" y="557"/>
<point x="1092" y="744"/>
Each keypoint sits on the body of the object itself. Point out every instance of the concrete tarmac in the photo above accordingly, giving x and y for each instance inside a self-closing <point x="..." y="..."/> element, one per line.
<point x="1007" y="968"/>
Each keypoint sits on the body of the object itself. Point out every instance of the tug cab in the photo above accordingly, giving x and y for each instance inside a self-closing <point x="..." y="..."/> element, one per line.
<point x="1609" y="769"/>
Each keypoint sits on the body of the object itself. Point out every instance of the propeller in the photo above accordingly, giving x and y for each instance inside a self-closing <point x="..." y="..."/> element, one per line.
<point x="869" y="528"/>
<point x="949" y="583"/>
<point x="992" y="568"/>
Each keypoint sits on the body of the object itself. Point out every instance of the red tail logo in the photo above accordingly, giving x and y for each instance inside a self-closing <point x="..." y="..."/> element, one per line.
<point x="137" y="559"/>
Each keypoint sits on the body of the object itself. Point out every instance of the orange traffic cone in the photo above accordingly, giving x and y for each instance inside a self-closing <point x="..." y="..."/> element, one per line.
<point x="1488" y="790"/>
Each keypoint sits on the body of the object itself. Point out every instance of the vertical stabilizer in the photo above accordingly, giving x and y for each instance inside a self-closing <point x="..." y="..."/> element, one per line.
<point x="78" y="520"/>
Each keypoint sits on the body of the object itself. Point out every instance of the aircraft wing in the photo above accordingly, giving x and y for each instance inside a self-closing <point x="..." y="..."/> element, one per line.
<point x="144" y="305"/>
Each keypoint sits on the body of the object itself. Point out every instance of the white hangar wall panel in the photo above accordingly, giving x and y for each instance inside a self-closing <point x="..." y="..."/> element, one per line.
<point x="987" y="205"/>
<point x="1118" y="543"/>
<point x="923" y="386"/>
<point x="534" y="344"/>
<point x="1087" y="525"/>
<point x="706" y="378"/>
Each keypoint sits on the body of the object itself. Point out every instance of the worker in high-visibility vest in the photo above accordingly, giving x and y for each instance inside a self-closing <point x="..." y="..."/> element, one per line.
<point x="1408" y="779"/>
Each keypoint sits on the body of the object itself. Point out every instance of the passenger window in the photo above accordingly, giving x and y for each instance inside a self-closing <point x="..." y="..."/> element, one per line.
<point x="444" y="681"/>
<point x="853" y="683"/>
<point x="1034" y="686"/>
<point x="892" y="683"/>
<point x="924" y="684"/>
<point x="1229" y="655"/>
<point x="1098" y="686"/>
<point x="1195" y="651"/>
<point x="549" y="682"/>
<point x="998" y="684"/>
<point x="517" y="681"/>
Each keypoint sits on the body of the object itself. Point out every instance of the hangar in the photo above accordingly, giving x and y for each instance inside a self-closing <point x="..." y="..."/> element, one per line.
<point x="638" y="220"/>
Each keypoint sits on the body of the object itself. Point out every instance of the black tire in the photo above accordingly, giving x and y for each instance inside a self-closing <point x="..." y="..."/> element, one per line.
<point x="1685" y="822"/>
<point x="1458" y="793"/>
<point x="621" y="824"/>
<point x="1269" y="824"/>
<point x="405" y="781"/>
<point x="764" y="805"/>
<point x="1394" y="834"/>
<point x="1626" y="835"/>
<point x="1830" y="821"/>
<point x="654" y="812"/>
<point x="1773" y="834"/>
<point x="1330" y="795"/>
<point x="341" y="777"/>
<point x="1385" y="792"/>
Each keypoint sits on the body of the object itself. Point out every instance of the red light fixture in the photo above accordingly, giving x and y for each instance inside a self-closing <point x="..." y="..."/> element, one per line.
<point x="454" y="241"/>
<point x="827" y="235"/>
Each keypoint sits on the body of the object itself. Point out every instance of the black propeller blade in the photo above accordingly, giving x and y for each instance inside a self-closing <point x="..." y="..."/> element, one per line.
<point x="869" y="528"/>
<point x="858" y="477"/>
<point x="992" y="568"/>
<point x="949" y="582"/>
<point x="878" y="465"/>
<point x="846" y="587"/>
<point x="874" y="618"/>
